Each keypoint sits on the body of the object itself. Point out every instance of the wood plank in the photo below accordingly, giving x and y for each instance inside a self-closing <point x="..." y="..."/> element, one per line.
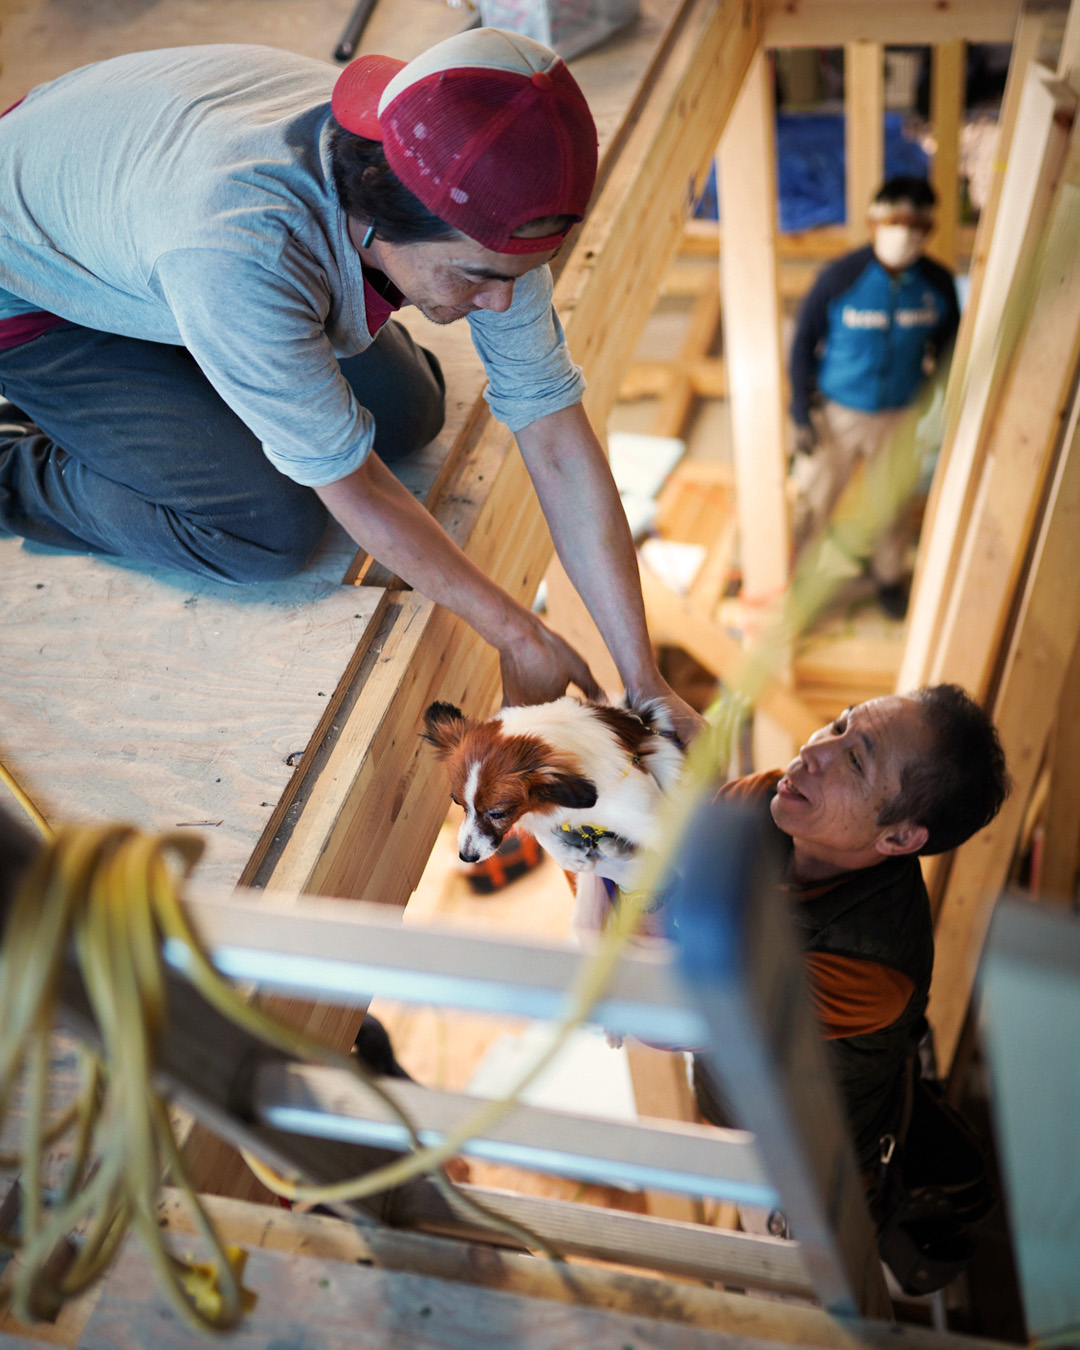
<point x="1025" y="49"/>
<point x="1020" y="452"/>
<point x="864" y="132"/>
<point x="592" y="1286"/>
<point x="947" y="93"/>
<point x="329" y="1305"/>
<point x="634" y="230"/>
<point x="977" y="378"/>
<point x="652" y="379"/>
<point x="676" y="405"/>
<point x="146" y="695"/>
<point x="662" y="1091"/>
<point x="797" y="246"/>
<point x="752" y="1321"/>
<point x="1035" y="667"/>
<point x="753" y="354"/>
<point x="832" y="23"/>
<point x="674" y="622"/>
<point x="674" y="1156"/>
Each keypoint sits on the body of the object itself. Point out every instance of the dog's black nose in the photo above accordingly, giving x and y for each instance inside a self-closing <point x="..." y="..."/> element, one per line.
<point x="469" y="857"/>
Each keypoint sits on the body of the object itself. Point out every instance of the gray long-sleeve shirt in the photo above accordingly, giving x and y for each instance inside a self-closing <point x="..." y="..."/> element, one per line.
<point x="185" y="196"/>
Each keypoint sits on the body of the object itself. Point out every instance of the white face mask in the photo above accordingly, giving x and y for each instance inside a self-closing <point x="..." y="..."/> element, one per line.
<point x="897" y="246"/>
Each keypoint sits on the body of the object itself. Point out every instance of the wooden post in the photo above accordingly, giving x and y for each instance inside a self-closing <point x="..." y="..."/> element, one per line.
<point x="1020" y="452"/>
<point x="1035" y="668"/>
<point x="661" y="1090"/>
<point x="1008" y="297"/>
<point x="864" y="132"/>
<point x="754" y="357"/>
<point x="947" y="113"/>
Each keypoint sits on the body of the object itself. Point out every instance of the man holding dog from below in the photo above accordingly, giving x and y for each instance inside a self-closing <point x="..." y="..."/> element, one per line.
<point x="889" y="781"/>
<point x="200" y="250"/>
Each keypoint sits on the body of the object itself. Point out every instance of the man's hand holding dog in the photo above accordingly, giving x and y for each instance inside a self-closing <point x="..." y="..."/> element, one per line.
<point x="538" y="667"/>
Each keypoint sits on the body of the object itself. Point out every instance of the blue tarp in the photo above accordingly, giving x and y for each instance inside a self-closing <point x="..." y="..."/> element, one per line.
<point x="810" y="167"/>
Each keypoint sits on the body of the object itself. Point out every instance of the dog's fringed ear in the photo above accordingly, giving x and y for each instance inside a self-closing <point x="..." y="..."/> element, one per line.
<point x="444" y="726"/>
<point x="566" y="789"/>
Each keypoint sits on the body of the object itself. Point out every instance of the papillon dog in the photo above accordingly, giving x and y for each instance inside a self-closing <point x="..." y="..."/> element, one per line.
<point x="584" y="778"/>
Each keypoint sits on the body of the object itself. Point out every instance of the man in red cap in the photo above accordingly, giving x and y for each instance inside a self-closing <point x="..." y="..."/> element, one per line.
<point x="200" y="251"/>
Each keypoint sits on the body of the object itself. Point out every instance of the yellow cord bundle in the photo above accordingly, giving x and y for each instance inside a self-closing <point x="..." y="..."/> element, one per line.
<point x="101" y="887"/>
<point x="112" y="890"/>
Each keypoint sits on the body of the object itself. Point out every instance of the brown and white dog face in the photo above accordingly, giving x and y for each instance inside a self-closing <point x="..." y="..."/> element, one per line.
<point x="498" y="777"/>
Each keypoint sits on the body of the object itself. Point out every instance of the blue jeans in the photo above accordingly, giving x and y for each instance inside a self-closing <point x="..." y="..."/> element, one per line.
<point x="132" y="452"/>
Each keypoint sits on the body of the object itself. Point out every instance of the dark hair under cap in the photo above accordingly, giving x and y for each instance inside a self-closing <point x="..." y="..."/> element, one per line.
<point x="369" y="190"/>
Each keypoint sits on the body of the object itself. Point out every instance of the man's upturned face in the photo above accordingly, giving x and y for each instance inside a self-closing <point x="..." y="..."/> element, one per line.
<point x="448" y="279"/>
<point x="832" y="793"/>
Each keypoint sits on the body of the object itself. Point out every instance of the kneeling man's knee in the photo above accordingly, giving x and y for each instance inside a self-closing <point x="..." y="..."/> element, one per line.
<point x="277" y="548"/>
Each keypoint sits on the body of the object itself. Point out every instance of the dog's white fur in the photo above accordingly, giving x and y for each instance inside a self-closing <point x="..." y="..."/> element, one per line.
<point x="627" y="792"/>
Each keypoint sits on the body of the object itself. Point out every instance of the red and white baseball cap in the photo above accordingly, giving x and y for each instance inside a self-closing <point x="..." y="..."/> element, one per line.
<point x="488" y="129"/>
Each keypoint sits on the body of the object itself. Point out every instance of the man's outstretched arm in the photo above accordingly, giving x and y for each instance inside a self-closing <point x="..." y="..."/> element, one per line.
<point x="572" y="478"/>
<point x="385" y="519"/>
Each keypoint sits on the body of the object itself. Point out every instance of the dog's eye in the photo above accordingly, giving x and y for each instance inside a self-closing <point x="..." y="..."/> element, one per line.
<point x="454" y="798"/>
<point x="497" y="815"/>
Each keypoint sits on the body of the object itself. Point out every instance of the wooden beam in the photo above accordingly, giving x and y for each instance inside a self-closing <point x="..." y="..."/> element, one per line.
<point x="1025" y="49"/>
<point x="676" y="407"/>
<point x="832" y="23"/>
<point x="662" y="1092"/>
<point x="864" y="132"/>
<point x="986" y="347"/>
<point x="1033" y="678"/>
<point x="623" y="1237"/>
<point x="947" y="93"/>
<point x="1020" y="450"/>
<point x="674" y="622"/>
<point x="652" y="379"/>
<point x="753" y="355"/>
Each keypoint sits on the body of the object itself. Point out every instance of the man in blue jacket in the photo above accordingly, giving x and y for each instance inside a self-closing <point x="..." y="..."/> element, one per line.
<point x="876" y="322"/>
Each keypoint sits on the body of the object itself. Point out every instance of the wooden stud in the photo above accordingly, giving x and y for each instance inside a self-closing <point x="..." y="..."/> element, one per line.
<point x="831" y="23"/>
<point x="634" y="229"/>
<point x="979" y="318"/>
<point x="864" y="132"/>
<point x="1020" y="451"/>
<point x="947" y="114"/>
<point x="675" y="622"/>
<point x="661" y="1091"/>
<point x="754" y="358"/>
<point x="1032" y="177"/>
<point x="1038" y="658"/>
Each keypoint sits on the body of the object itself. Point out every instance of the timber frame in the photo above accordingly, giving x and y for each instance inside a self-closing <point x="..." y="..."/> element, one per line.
<point x="362" y="810"/>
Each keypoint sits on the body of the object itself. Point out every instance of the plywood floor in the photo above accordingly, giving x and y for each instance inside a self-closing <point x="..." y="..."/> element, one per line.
<point x="146" y="695"/>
